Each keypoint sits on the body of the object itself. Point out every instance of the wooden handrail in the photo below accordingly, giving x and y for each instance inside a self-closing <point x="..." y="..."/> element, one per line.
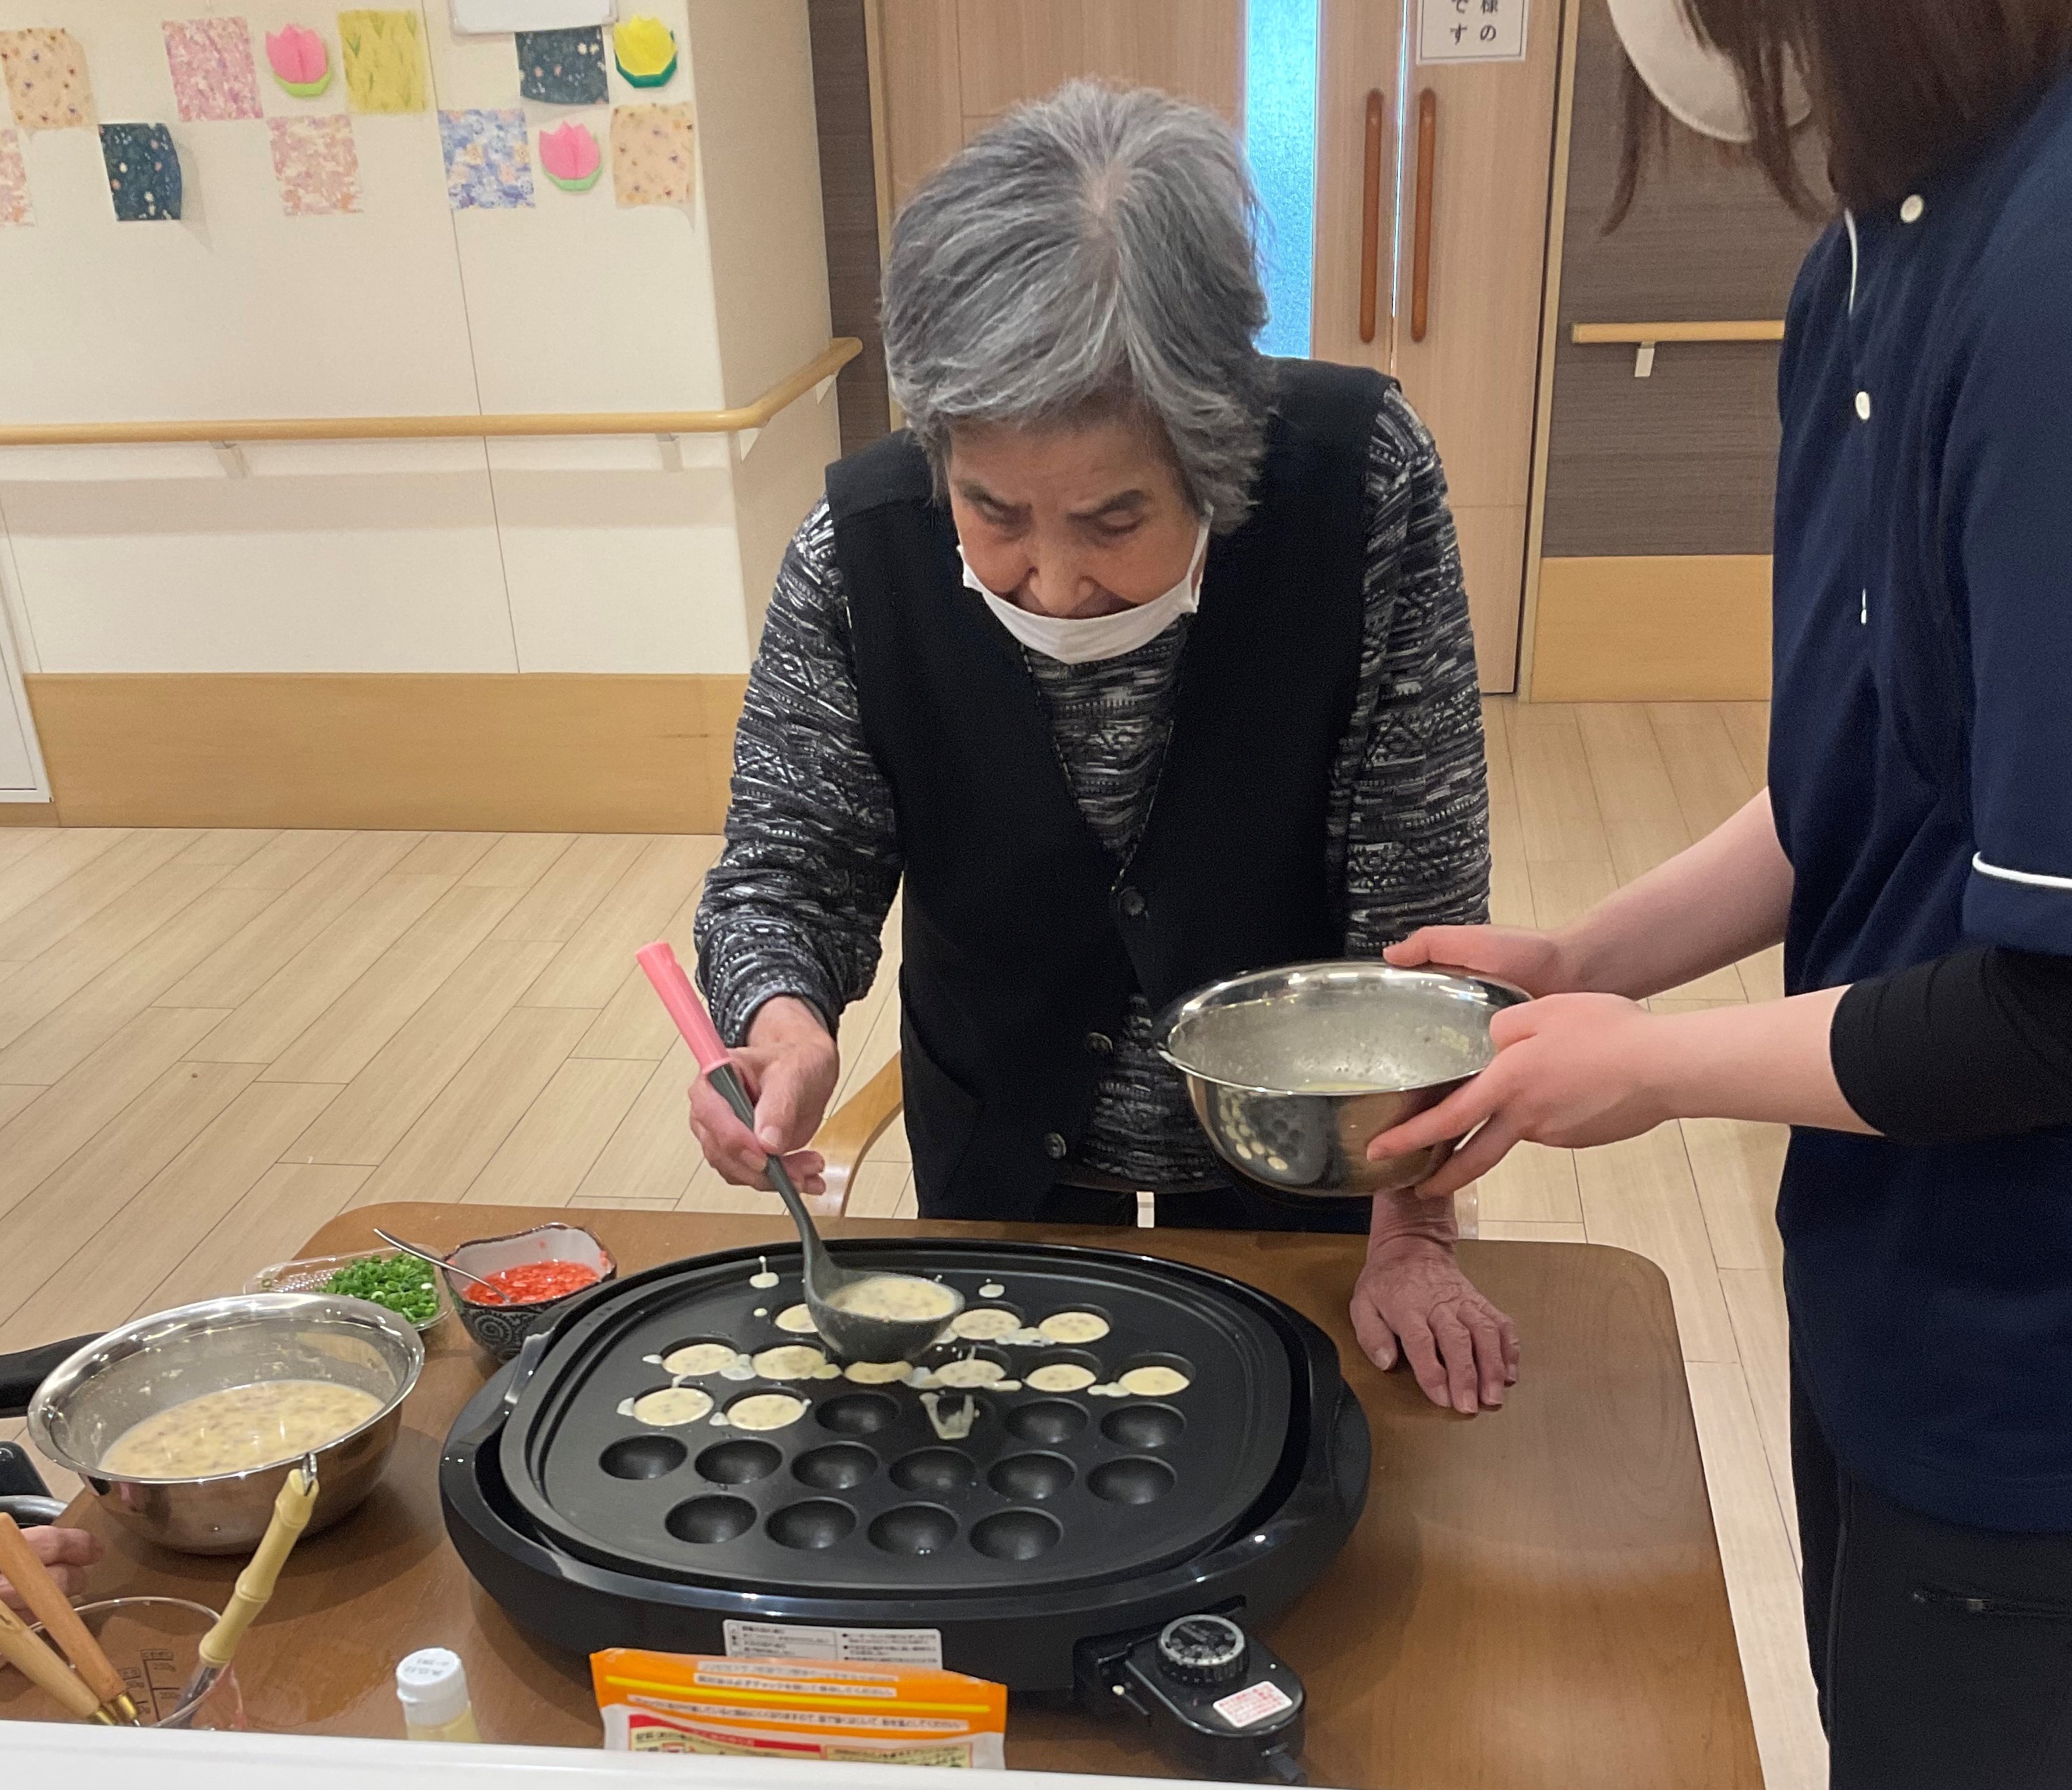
<point x="1748" y="330"/>
<point x="755" y="414"/>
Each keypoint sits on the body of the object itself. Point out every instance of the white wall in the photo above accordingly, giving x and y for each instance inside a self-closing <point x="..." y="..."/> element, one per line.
<point x="569" y="555"/>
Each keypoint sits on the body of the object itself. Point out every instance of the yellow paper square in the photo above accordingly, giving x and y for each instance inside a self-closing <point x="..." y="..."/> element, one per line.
<point x="651" y="162"/>
<point x="384" y="61"/>
<point x="48" y="86"/>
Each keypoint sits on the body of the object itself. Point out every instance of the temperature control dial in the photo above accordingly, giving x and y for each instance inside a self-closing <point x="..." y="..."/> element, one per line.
<point x="1203" y="1650"/>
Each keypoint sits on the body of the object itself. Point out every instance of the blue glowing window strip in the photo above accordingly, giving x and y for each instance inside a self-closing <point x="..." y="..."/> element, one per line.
<point x="1281" y="141"/>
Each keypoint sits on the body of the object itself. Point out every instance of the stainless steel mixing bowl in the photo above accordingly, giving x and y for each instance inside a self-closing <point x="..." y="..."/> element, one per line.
<point x="1292" y="1072"/>
<point x="116" y="1381"/>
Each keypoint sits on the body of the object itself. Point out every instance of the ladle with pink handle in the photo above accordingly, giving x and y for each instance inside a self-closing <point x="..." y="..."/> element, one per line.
<point x="855" y="1335"/>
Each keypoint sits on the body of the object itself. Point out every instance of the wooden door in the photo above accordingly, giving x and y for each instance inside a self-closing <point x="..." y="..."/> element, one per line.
<point x="1473" y="375"/>
<point x="951" y="67"/>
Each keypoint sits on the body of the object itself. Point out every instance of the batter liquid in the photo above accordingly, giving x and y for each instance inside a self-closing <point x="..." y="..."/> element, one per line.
<point x="672" y="1405"/>
<point x="765" y="1411"/>
<point x="698" y="1359"/>
<point x="790" y="1361"/>
<point x="876" y="1373"/>
<point x="798" y="1320"/>
<point x="986" y="1324"/>
<point x="902" y="1296"/>
<point x="1153" y="1382"/>
<point x="237" y="1429"/>
<point x="1061" y="1376"/>
<point x="1074" y="1327"/>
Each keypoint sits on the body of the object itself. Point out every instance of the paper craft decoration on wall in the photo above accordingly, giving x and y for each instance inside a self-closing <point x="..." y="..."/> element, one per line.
<point x="650" y="154"/>
<point x="47" y="80"/>
<point x="645" y="50"/>
<point x="15" y="207"/>
<point x="489" y="164"/>
<point x="317" y="165"/>
<point x="300" y="60"/>
<point x="571" y="156"/>
<point x="143" y="171"/>
<point x="213" y="77"/>
<point x="384" y="61"/>
<point x="563" y="68"/>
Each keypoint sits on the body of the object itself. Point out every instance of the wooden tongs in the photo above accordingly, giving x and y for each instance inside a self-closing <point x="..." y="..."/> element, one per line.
<point x="90" y="1688"/>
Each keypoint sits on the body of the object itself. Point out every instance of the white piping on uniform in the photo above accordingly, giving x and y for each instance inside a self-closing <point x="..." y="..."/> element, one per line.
<point x="2035" y="879"/>
<point x="1856" y="259"/>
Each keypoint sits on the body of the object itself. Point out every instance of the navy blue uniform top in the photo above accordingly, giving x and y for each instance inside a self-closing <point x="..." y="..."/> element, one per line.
<point x="1921" y="772"/>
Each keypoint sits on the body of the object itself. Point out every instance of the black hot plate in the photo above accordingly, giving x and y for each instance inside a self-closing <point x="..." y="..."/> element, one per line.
<point x="1063" y="1531"/>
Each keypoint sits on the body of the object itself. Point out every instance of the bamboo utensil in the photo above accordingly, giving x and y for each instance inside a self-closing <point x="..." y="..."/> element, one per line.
<point x="255" y="1584"/>
<point x="29" y="1655"/>
<point x="49" y="1605"/>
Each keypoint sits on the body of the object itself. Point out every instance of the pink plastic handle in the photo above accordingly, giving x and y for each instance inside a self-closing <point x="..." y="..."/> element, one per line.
<point x="685" y="1007"/>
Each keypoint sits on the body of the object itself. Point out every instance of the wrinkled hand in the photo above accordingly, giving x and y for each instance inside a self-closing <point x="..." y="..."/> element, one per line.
<point x="1571" y="1070"/>
<point x="1534" y="961"/>
<point x="789" y="1065"/>
<point x="1413" y="1297"/>
<point x="68" y="1553"/>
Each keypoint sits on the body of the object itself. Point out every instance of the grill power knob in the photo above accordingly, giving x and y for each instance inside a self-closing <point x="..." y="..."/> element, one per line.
<point x="1203" y="1651"/>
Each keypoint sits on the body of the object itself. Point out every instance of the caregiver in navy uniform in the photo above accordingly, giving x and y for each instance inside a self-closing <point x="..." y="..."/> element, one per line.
<point x="1914" y="853"/>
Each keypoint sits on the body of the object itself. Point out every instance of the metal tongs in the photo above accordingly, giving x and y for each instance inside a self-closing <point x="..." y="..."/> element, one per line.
<point x="852" y="1334"/>
<point x="255" y="1588"/>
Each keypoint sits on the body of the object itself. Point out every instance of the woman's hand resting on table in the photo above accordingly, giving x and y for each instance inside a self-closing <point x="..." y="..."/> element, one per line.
<point x="789" y="1065"/>
<point x="68" y="1553"/>
<point x="1412" y="1301"/>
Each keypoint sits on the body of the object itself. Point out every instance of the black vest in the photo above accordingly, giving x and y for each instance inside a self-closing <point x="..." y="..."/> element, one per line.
<point x="1024" y="938"/>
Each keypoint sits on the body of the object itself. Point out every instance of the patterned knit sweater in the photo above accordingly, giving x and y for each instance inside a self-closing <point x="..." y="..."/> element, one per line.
<point x="797" y="901"/>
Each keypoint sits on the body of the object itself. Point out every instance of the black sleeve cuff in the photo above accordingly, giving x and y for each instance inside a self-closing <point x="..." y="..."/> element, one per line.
<point x="1975" y="1045"/>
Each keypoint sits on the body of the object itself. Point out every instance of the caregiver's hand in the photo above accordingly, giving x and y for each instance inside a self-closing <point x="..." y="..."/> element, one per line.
<point x="1571" y="1070"/>
<point x="789" y="1065"/>
<point x="1538" y="962"/>
<point x="1412" y="1299"/>
<point x="68" y="1553"/>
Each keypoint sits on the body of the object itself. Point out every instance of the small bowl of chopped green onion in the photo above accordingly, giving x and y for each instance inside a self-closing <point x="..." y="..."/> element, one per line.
<point x="402" y="1283"/>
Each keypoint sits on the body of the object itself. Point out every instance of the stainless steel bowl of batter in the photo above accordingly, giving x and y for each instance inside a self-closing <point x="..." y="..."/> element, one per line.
<point x="1292" y="1072"/>
<point x="92" y="1400"/>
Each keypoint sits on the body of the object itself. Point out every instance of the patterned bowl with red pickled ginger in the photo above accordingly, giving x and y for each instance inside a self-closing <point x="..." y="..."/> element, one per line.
<point x="535" y="1272"/>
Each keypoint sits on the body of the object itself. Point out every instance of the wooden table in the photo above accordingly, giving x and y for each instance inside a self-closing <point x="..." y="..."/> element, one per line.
<point x="1534" y="1596"/>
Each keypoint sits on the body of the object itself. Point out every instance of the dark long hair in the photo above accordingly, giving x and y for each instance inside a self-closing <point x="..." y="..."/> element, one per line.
<point x="1897" y="85"/>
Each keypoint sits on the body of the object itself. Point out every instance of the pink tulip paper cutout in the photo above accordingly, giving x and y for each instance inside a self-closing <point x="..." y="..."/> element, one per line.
<point x="299" y="60"/>
<point x="569" y="154"/>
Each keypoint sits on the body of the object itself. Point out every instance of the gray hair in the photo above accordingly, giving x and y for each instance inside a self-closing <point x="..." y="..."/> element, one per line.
<point x="1092" y="252"/>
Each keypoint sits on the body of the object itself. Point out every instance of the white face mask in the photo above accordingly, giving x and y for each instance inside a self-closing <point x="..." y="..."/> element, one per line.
<point x="1079" y="642"/>
<point x="1696" y="84"/>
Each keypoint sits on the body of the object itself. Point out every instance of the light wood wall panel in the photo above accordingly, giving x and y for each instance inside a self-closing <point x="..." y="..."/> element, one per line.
<point x="523" y="753"/>
<point x="951" y="67"/>
<point x="1360" y="52"/>
<point x="1646" y="628"/>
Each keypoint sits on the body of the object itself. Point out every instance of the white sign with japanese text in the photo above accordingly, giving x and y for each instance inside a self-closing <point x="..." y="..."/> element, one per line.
<point x="1472" y="31"/>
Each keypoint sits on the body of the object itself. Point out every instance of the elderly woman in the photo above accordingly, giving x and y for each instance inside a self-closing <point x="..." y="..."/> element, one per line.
<point x="1145" y="660"/>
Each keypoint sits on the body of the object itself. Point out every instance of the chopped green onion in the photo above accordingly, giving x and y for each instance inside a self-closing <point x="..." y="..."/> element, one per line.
<point x="402" y="1283"/>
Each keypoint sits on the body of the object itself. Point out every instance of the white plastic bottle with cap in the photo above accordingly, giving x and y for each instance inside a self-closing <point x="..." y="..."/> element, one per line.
<point x="432" y="1686"/>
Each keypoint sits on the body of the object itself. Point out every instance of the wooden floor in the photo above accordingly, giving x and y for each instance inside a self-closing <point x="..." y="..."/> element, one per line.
<point x="212" y="1042"/>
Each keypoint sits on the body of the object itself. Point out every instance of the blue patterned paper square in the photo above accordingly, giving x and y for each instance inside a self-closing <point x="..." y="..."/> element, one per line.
<point x="143" y="171"/>
<point x="564" y="67"/>
<point x="489" y="162"/>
